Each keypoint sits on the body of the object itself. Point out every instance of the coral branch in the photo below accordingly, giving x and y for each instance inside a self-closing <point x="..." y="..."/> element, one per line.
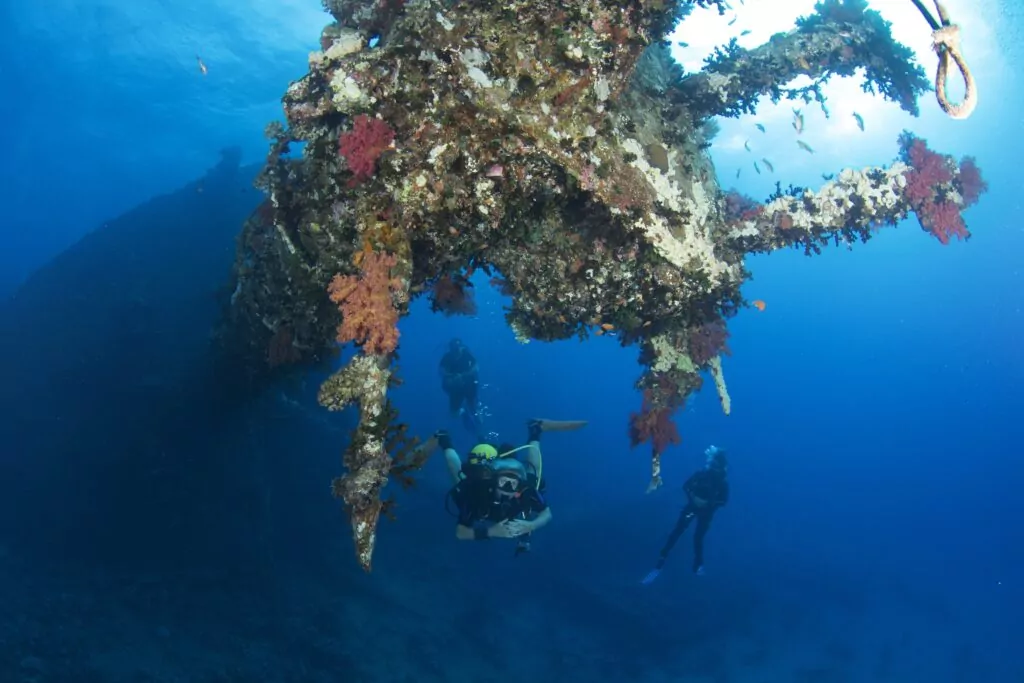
<point x="364" y="381"/>
<point x="857" y="202"/>
<point x="841" y="37"/>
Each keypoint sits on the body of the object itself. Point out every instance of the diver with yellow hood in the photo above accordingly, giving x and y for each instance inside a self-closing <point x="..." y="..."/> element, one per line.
<point x="497" y="492"/>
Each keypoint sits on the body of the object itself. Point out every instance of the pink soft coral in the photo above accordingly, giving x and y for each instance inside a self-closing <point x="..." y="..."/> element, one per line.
<point x="364" y="144"/>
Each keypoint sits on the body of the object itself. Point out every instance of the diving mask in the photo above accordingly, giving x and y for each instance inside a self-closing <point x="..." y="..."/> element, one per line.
<point x="508" y="483"/>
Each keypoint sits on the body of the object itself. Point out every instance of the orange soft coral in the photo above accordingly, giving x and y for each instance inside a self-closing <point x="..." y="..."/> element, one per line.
<point x="368" y="313"/>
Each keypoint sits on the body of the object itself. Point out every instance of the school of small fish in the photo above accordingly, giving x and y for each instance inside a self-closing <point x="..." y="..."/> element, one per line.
<point x="798" y="126"/>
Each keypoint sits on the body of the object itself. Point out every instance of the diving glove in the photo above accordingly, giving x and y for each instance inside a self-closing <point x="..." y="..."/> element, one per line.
<point x="534" y="428"/>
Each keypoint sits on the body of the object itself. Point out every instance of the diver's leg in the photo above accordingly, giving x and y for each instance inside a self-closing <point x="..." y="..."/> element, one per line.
<point x="471" y="397"/>
<point x="703" y="524"/>
<point x="684" y="521"/>
<point x="454" y="400"/>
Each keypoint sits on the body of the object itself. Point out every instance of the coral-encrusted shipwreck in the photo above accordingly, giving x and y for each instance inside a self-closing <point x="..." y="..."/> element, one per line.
<point x="552" y="143"/>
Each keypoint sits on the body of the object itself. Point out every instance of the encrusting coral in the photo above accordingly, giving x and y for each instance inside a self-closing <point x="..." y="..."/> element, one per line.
<point x="556" y="144"/>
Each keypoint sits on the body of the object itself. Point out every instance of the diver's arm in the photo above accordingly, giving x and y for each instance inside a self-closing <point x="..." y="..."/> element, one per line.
<point x="475" y="533"/>
<point x="540" y="520"/>
<point x="454" y="462"/>
<point x="691" y="485"/>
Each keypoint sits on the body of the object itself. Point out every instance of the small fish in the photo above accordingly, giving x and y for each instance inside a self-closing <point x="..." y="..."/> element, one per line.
<point x="738" y="172"/>
<point x="804" y="146"/>
<point x="798" y="121"/>
<point x="828" y="176"/>
<point x="757" y="168"/>
<point x="733" y="21"/>
<point x="759" y="304"/>
<point x="759" y="126"/>
<point x="859" y="119"/>
<point x="745" y="32"/>
<point x="768" y="165"/>
<point x="746" y="145"/>
<point x="682" y="44"/>
<point x="202" y="66"/>
<point x="607" y="327"/>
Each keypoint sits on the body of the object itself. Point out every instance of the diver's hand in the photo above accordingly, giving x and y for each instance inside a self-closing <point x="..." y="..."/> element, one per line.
<point x="510" y="528"/>
<point x="444" y="439"/>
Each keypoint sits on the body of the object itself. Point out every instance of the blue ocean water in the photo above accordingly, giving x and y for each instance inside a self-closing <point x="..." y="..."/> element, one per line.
<point x="157" y="527"/>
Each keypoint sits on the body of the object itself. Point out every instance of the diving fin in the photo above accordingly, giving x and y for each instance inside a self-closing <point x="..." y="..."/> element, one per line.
<point x="559" y="425"/>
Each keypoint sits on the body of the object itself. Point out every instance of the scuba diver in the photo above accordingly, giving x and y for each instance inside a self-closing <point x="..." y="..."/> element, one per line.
<point x="460" y="380"/>
<point x="706" y="490"/>
<point x="497" y="494"/>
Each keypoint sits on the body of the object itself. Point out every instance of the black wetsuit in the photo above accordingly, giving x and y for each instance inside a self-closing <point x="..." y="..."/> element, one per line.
<point x="477" y="501"/>
<point x="459" y="380"/>
<point x="712" y="487"/>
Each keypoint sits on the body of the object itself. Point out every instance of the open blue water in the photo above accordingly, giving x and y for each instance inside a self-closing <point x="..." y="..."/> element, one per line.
<point x="154" y="529"/>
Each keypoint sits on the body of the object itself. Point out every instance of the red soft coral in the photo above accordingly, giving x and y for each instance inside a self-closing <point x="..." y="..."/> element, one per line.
<point x="654" y="425"/>
<point x="740" y="207"/>
<point x="453" y="295"/>
<point x="369" y="316"/>
<point x="971" y="184"/>
<point x="930" y="180"/>
<point x="707" y="341"/>
<point x="943" y="220"/>
<point x="928" y="170"/>
<point x="363" y="145"/>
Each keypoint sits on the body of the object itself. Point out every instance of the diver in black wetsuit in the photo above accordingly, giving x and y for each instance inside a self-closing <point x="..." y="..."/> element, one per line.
<point x="496" y="494"/>
<point x="706" y="490"/>
<point x="460" y="380"/>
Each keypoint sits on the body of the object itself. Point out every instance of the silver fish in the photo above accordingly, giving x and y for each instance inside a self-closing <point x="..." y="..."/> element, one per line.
<point x="768" y="165"/>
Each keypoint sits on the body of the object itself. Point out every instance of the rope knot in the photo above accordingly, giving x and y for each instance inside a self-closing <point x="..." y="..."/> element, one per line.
<point x="946" y="38"/>
<point x="946" y="42"/>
